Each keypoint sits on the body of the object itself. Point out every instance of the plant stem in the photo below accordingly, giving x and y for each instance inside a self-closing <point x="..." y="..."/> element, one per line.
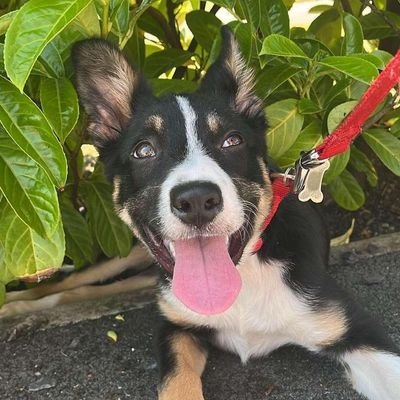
<point x="104" y="19"/>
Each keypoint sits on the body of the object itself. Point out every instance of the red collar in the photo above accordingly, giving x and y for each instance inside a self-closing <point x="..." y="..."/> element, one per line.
<point x="338" y="141"/>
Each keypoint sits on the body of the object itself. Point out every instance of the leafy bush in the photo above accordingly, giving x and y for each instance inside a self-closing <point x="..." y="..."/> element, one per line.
<point x="53" y="206"/>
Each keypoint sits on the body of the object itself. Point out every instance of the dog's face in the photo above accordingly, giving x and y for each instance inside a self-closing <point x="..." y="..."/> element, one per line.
<point x="188" y="170"/>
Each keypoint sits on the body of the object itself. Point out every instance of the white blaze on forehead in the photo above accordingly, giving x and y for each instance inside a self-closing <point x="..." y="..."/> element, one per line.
<point x="198" y="166"/>
<point x="190" y="117"/>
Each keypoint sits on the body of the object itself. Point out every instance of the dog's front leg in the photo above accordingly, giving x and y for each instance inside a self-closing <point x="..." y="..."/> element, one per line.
<point x="182" y="358"/>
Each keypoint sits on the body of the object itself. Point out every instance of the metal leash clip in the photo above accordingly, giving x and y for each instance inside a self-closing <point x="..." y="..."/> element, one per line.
<point x="309" y="172"/>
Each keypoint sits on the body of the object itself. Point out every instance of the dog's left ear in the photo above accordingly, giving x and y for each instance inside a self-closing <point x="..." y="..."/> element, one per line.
<point x="229" y="76"/>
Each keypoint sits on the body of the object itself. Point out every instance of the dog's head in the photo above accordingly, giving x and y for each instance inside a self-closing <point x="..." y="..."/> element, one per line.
<point x="188" y="170"/>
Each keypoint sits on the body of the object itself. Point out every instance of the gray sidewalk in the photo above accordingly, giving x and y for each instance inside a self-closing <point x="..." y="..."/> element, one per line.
<point x="78" y="361"/>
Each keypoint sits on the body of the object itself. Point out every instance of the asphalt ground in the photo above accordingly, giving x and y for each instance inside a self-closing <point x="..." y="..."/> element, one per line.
<point x="79" y="361"/>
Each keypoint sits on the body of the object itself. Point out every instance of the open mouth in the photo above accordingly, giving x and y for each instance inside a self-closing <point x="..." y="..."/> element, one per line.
<point x="204" y="273"/>
<point x="164" y="250"/>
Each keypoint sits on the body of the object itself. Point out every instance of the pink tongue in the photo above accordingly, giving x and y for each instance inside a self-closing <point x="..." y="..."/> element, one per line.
<point x="205" y="278"/>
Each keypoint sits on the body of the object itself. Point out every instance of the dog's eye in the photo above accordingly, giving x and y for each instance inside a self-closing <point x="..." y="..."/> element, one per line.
<point x="144" y="150"/>
<point x="233" y="140"/>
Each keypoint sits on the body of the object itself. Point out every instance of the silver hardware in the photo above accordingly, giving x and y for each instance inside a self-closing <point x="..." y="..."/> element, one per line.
<point x="308" y="177"/>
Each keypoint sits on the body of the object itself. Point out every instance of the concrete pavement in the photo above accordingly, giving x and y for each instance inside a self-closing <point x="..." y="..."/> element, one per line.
<point x="79" y="361"/>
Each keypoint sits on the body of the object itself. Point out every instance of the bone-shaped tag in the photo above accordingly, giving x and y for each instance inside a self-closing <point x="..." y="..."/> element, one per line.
<point x="313" y="182"/>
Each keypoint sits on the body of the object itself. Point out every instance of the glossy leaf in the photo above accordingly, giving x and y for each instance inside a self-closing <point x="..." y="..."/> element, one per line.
<point x="34" y="26"/>
<point x="27" y="255"/>
<point x="60" y="105"/>
<point x="78" y="238"/>
<point x="385" y="146"/>
<point x="337" y="165"/>
<point x="375" y="26"/>
<point x="120" y="16"/>
<point x="164" y="86"/>
<point x="277" y="45"/>
<point x="5" y="21"/>
<point x="360" y="162"/>
<point x="27" y="188"/>
<point x="307" y="106"/>
<point x="271" y="78"/>
<point x="361" y="70"/>
<point x="353" y="35"/>
<point x="347" y="192"/>
<point x="327" y="27"/>
<point x="309" y="137"/>
<point x="113" y="236"/>
<point x="27" y="126"/>
<point x="337" y="114"/>
<point x="51" y="59"/>
<point x="285" y="126"/>
<point x="162" y="61"/>
<point x="204" y="26"/>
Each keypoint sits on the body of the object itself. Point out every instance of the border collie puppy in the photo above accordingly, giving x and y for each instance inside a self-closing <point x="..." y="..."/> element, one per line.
<point x="191" y="180"/>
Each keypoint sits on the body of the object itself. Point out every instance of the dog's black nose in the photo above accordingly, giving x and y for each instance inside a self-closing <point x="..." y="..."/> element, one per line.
<point x="196" y="203"/>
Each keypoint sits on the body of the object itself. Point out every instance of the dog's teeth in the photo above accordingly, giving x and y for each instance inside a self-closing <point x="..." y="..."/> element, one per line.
<point x="227" y="240"/>
<point x="170" y="246"/>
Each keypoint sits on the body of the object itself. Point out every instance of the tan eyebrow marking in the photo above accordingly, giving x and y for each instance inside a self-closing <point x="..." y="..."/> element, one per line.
<point x="155" y="121"/>
<point x="213" y="122"/>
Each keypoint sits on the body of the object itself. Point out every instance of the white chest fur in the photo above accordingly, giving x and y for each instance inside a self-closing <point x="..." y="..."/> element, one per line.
<point x="266" y="315"/>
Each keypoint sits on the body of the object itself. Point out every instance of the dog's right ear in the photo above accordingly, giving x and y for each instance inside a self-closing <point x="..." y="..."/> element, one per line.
<point x="107" y="86"/>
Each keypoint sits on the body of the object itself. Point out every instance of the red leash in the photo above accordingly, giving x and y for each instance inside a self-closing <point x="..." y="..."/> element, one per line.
<point x="337" y="142"/>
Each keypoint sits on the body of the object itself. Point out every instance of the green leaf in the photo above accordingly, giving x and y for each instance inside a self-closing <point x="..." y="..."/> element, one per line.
<point x="52" y="61"/>
<point x="277" y="45"/>
<point x="164" y="86"/>
<point x="274" y="17"/>
<point x="26" y="254"/>
<point x="337" y="165"/>
<point x="5" y="21"/>
<point x="375" y="26"/>
<point x="60" y="105"/>
<point x="337" y="114"/>
<point x="27" y="126"/>
<point x="285" y="126"/>
<point x="384" y="56"/>
<point x="120" y="16"/>
<point x="372" y="59"/>
<point x="360" y="162"/>
<point x="335" y="91"/>
<point x="204" y="26"/>
<point x="361" y="70"/>
<point x="35" y="25"/>
<point x="327" y="27"/>
<point x="244" y="37"/>
<point x="27" y="188"/>
<point x="385" y="146"/>
<point x="272" y="77"/>
<point x="113" y="236"/>
<point x="307" y="106"/>
<point x="225" y="3"/>
<point x="353" y="35"/>
<point x="347" y="192"/>
<point x="309" y="137"/>
<point x="162" y="61"/>
<point x="78" y="238"/>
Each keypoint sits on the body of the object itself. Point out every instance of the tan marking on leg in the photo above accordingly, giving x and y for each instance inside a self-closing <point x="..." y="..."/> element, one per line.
<point x="185" y="383"/>
<point x="333" y="323"/>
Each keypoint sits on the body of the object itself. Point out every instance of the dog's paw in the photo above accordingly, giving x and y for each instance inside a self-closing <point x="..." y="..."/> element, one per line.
<point x="182" y="387"/>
